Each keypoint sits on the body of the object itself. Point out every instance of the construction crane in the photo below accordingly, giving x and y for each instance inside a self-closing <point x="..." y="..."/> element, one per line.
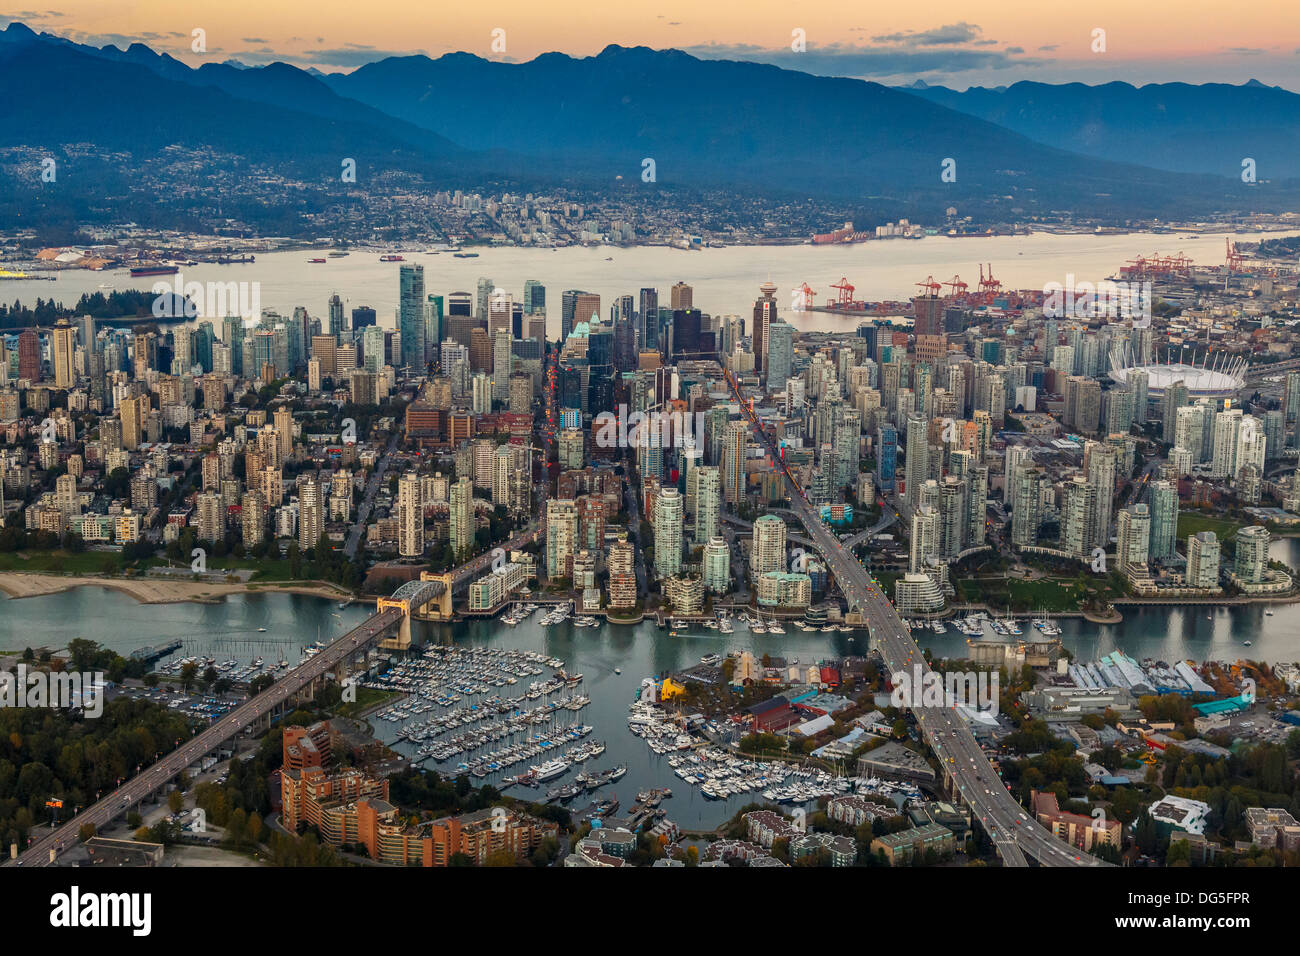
<point x="806" y="297"/>
<point x="958" y="287"/>
<point x="845" y="289"/>
<point x="930" y="286"/>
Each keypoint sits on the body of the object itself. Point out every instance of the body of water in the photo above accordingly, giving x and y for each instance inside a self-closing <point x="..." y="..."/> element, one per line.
<point x="726" y="280"/>
<point x="230" y="629"/>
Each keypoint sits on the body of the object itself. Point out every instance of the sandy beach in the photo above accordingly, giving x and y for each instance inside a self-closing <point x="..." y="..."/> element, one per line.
<point x="154" y="590"/>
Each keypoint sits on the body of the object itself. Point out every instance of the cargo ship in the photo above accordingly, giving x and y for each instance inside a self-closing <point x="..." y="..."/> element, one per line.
<point x="153" y="270"/>
<point x="465" y="255"/>
<point x="391" y="258"/>
<point x="315" y="260"/>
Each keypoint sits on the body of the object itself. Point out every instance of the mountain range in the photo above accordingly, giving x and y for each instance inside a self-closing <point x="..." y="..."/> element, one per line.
<point x="1111" y="151"/>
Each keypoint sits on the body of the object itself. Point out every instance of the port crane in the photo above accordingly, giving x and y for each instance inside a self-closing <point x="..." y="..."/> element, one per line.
<point x="989" y="286"/>
<point x="1235" y="260"/>
<point x="930" y="286"/>
<point x="845" y="289"/>
<point x="806" y="301"/>
<point x="958" y="287"/>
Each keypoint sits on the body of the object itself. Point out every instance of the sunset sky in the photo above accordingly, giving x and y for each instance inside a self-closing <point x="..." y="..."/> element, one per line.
<point x="943" y="41"/>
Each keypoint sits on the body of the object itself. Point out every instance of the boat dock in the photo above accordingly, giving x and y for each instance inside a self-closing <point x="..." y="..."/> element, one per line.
<point x="151" y="654"/>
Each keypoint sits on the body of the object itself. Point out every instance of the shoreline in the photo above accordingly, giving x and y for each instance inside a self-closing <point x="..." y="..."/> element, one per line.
<point x="146" y="590"/>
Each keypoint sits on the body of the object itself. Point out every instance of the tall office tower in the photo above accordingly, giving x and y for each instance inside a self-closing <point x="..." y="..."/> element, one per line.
<point x="252" y="518"/>
<point x="63" y="353"/>
<point x="1227" y="432"/>
<point x="1175" y="398"/>
<point x="372" y="348"/>
<point x="917" y="466"/>
<point x="625" y="352"/>
<point x="29" y="355"/>
<point x="211" y="517"/>
<point x="647" y="320"/>
<point x="708" y="503"/>
<point x="780" y="354"/>
<point x="561" y="537"/>
<point x="534" y="297"/>
<point x="335" y="321"/>
<point x="954" y="516"/>
<point x="410" y="516"/>
<point x="311" y="513"/>
<point x="483" y="298"/>
<point x="735" y="443"/>
<point x="1163" y="496"/>
<point x="502" y="365"/>
<point x="764" y="315"/>
<point x="576" y="308"/>
<point x="460" y="516"/>
<point x="669" y="518"/>
<point x="1189" y="428"/>
<point x="928" y="310"/>
<point x="1134" y="547"/>
<point x="363" y="316"/>
<point x="411" y="316"/>
<point x="1102" y="467"/>
<point x="682" y="297"/>
<point x="1252" y="554"/>
<point x="1203" y="560"/>
<point x="767" y="545"/>
<point x="433" y="325"/>
<point x="324" y="348"/>
<point x="499" y="310"/>
<point x="1027" y="514"/>
<point x="1078" y="524"/>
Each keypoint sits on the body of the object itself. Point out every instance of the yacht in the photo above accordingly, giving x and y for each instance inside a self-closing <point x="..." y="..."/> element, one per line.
<point x="711" y="660"/>
<point x="774" y="627"/>
<point x="549" y="770"/>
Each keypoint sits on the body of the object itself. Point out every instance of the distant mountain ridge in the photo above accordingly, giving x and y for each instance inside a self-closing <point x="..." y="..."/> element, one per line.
<point x="591" y="121"/>
<point x="1207" y="128"/>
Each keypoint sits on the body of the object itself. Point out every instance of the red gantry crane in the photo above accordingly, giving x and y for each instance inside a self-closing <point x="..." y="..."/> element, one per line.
<point x="845" y="288"/>
<point x="958" y="287"/>
<point x="1235" y="259"/>
<point x="930" y="286"/>
<point x="807" y="302"/>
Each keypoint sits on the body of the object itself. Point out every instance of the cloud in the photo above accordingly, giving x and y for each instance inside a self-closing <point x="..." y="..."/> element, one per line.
<point x="859" y="61"/>
<point x="349" y="55"/>
<point x="952" y="34"/>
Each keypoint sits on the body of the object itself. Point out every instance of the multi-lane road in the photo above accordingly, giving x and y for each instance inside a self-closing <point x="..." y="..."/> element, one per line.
<point x="153" y="778"/>
<point x="944" y="728"/>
